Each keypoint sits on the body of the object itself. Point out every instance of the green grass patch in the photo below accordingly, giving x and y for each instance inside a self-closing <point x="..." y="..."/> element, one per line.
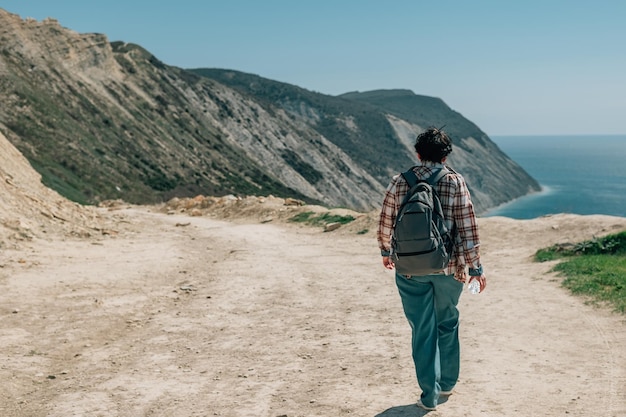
<point x="595" y="268"/>
<point x="323" y="219"/>
<point x="302" y="217"/>
<point x="603" y="277"/>
<point x="547" y="254"/>
<point x="614" y="244"/>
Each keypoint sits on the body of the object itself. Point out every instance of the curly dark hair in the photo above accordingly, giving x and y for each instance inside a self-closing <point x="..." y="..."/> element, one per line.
<point x="433" y="145"/>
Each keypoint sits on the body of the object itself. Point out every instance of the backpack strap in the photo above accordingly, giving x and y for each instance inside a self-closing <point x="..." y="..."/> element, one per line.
<point x="433" y="180"/>
<point x="436" y="177"/>
<point x="410" y="178"/>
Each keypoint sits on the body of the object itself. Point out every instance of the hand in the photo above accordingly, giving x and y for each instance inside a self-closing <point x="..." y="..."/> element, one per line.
<point x="482" y="280"/>
<point x="388" y="263"/>
<point x="460" y="274"/>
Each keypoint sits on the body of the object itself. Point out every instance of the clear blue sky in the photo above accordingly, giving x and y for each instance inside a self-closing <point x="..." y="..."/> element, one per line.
<point x="511" y="67"/>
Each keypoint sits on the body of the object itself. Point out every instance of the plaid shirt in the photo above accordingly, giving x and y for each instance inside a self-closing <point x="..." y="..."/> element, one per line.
<point x="457" y="208"/>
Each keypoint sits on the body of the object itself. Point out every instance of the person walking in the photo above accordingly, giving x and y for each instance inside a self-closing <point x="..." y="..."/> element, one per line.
<point x="430" y="301"/>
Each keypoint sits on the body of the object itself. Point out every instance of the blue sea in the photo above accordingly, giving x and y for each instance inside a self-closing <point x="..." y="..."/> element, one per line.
<point x="578" y="174"/>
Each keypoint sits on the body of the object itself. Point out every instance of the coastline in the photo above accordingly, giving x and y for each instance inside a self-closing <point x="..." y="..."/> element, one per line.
<point x="579" y="174"/>
<point x="544" y="192"/>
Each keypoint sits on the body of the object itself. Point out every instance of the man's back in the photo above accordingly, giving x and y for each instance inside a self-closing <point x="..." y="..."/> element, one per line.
<point x="456" y="205"/>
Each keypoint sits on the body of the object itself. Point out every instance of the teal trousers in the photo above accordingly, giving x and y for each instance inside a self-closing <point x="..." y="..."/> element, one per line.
<point x="430" y="305"/>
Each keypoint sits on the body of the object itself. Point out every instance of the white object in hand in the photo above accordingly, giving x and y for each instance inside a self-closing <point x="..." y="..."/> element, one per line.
<point x="474" y="287"/>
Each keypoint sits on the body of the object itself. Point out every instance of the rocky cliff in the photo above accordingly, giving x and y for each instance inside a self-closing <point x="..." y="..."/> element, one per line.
<point x="107" y="120"/>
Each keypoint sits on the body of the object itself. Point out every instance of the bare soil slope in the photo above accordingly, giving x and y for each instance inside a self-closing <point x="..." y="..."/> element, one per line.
<point x="28" y="209"/>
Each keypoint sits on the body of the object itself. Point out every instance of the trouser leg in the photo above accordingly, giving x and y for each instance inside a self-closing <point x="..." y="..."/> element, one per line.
<point x="447" y="292"/>
<point x="417" y="295"/>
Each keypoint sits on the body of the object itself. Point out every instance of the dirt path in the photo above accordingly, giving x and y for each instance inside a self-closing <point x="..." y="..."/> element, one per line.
<point x="192" y="316"/>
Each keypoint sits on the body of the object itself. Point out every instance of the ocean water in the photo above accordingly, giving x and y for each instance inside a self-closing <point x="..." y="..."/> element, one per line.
<point x="578" y="174"/>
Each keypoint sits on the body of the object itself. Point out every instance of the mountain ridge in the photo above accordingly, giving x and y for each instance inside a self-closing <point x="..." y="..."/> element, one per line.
<point x="108" y="120"/>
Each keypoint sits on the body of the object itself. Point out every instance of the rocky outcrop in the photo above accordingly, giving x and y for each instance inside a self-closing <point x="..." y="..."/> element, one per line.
<point x="492" y="176"/>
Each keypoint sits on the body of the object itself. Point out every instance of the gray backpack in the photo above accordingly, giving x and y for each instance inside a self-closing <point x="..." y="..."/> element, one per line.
<point x="421" y="244"/>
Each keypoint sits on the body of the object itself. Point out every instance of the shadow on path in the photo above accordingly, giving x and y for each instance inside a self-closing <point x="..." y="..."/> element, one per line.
<point x="410" y="410"/>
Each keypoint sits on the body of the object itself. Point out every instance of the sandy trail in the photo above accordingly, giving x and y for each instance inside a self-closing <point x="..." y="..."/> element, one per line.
<point x="184" y="316"/>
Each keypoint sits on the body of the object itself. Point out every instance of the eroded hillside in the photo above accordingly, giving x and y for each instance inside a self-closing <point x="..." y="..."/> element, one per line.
<point x="104" y="120"/>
